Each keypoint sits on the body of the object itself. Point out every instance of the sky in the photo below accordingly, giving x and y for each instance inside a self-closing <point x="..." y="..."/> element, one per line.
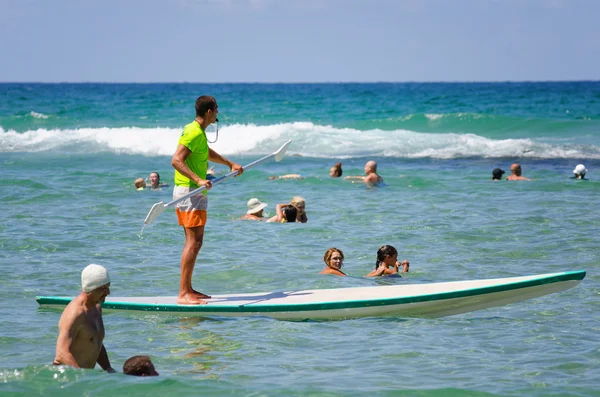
<point x="271" y="41"/>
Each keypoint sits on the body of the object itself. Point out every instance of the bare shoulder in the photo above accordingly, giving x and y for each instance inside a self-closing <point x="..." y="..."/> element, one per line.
<point x="371" y="178"/>
<point x="74" y="312"/>
<point x="249" y="217"/>
<point x="331" y="271"/>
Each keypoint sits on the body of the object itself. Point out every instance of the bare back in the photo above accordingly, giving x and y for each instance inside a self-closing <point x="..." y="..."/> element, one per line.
<point x="80" y="335"/>
<point x="516" y="178"/>
<point x="373" y="178"/>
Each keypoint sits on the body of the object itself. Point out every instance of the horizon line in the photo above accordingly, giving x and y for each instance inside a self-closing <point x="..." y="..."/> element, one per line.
<point x="308" y="82"/>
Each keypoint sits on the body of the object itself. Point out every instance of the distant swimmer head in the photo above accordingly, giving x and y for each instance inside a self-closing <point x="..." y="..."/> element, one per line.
<point x="580" y="170"/>
<point x="93" y="277"/>
<point x="336" y="170"/>
<point x="289" y="213"/>
<point x="497" y="174"/>
<point x="299" y="204"/>
<point x="255" y="205"/>
<point x="515" y="169"/>
<point x="140" y="184"/>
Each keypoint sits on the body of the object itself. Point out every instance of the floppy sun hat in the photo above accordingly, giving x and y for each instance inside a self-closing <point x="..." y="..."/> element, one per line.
<point x="580" y="169"/>
<point x="255" y="205"/>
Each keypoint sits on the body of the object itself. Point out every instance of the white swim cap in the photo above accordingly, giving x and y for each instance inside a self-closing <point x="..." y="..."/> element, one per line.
<point x="93" y="276"/>
<point x="580" y="169"/>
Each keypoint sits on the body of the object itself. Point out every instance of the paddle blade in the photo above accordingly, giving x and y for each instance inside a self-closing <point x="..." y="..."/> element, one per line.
<point x="281" y="152"/>
<point x="155" y="211"/>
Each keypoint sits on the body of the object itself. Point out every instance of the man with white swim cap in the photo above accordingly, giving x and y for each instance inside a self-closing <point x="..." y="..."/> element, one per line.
<point x="80" y="342"/>
<point x="579" y="171"/>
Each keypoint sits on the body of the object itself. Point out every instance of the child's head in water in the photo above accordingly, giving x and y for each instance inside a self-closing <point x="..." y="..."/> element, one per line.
<point x="139" y="184"/>
<point x="139" y="366"/>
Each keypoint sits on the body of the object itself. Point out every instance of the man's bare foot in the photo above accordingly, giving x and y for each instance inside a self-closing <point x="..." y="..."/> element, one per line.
<point x="200" y="295"/>
<point x="189" y="299"/>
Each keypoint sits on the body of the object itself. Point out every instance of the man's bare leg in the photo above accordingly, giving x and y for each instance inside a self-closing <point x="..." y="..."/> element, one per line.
<point x="193" y="244"/>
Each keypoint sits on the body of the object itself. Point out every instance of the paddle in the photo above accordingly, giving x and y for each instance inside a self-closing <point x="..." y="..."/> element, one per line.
<point x="160" y="207"/>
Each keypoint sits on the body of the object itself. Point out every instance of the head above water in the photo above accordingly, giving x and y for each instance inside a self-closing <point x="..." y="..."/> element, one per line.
<point x="299" y="203"/>
<point x="255" y="206"/>
<point x="580" y="170"/>
<point x="333" y="258"/>
<point x="370" y="167"/>
<point x="336" y="170"/>
<point x="383" y="252"/>
<point x="139" y="183"/>
<point x="154" y="178"/>
<point x="497" y="174"/>
<point x="139" y="366"/>
<point x="289" y="213"/>
<point x="515" y="169"/>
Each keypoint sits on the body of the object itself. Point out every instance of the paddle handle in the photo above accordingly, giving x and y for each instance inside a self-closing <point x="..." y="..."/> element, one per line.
<point x="220" y="179"/>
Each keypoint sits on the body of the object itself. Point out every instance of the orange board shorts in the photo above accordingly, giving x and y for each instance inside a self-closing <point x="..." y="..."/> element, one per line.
<point x="191" y="212"/>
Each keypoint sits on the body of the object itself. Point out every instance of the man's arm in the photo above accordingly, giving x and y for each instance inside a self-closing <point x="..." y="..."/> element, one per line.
<point x="67" y="333"/>
<point x="103" y="360"/>
<point x="178" y="162"/>
<point x="217" y="158"/>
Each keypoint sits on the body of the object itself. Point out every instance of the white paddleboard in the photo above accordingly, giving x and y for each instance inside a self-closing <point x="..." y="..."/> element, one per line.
<point x="414" y="300"/>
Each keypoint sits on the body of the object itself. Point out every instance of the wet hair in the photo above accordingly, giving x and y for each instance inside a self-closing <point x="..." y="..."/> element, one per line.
<point x="329" y="254"/>
<point x="497" y="174"/>
<point x="204" y="104"/>
<point x="297" y="200"/>
<point x="139" y="182"/>
<point x="384" y="250"/>
<point x="157" y="175"/>
<point x="337" y="170"/>
<point x="139" y="366"/>
<point x="289" y="213"/>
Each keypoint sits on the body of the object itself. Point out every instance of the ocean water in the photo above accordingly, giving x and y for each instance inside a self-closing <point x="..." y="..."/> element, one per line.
<point x="69" y="154"/>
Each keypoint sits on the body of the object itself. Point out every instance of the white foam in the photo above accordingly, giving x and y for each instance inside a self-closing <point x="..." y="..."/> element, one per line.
<point x="38" y="115"/>
<point x="308" y="140"/>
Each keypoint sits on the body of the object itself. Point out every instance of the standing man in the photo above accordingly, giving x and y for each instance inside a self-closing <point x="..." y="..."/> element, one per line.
<point x="80" y="342"/>
<point x="191" y="163"/>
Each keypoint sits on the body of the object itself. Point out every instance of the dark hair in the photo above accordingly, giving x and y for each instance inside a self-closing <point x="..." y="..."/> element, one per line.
<point x="139" y="366"/>
<point x="497" y="174"/>
<point x="384" y="250"/>
<point x="157" y="175"/>
<point x="289" y="213"/>
<point x="204" y="104"/>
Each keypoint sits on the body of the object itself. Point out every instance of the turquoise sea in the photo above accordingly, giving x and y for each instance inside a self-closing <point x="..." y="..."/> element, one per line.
<point x="69" y="154"/>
